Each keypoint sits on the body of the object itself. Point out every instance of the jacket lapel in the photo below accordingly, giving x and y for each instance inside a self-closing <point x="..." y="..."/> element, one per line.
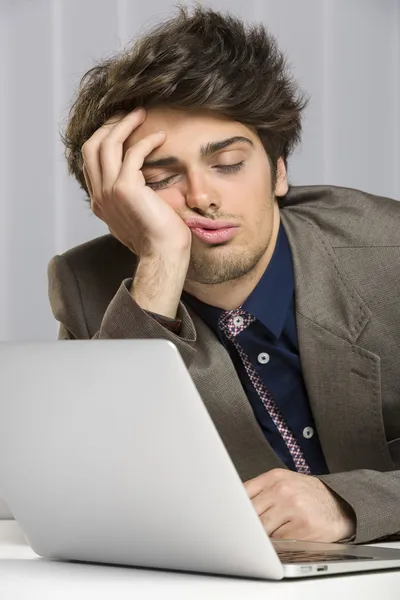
<point x="342" y="378"/>
<point x="221" y="390"/>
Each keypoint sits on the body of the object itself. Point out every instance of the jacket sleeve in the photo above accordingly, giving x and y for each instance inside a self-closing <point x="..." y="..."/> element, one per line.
<point x="123" y="318"/>
<point x="375" y="498"/>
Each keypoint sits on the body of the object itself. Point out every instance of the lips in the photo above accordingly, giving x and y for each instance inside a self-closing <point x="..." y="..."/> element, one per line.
<point x="214" y="236"/>
<point x="210" y="231"/>
<point x="208" y="224"/>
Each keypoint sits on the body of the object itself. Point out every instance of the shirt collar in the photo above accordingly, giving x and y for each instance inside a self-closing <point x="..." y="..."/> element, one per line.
<point x="269" y="301"/>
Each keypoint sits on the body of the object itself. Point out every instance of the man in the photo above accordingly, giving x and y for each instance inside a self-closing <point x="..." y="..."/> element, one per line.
<point x="283" y="302"/>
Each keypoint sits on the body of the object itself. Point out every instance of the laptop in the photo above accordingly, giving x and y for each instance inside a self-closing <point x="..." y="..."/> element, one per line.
<point x="108" y="455"/>
<point x="5" y="513"/>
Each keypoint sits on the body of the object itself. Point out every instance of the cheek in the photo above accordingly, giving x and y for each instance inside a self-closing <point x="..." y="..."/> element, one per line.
<point x="173" y="198"/>
<point x="253" y="195"/>
<point x="255" y="183"/>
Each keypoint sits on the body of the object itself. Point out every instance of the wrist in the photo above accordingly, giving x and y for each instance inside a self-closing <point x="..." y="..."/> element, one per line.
<point x="346" y="519"/>
<point x="349" y="520"/>
<point x="158" y="284"/>
<point x="342" y="516"/>
<point x="165" y="265"/>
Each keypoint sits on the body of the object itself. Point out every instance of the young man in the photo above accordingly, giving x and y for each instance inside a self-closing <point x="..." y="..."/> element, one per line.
<point x="283" y="302"/>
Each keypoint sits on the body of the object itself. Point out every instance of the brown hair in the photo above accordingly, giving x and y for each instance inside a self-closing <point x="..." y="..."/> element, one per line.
<point x="204" y="60"/>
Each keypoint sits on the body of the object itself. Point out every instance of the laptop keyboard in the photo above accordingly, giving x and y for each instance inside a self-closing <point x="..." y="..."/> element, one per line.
<point x="304" y="556"/>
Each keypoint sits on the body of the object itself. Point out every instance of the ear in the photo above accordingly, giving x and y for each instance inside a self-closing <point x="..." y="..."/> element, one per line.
<point x="281" y="185"/>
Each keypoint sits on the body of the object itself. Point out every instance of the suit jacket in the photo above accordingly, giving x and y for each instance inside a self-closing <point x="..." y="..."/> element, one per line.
<point x="346" y="256"/>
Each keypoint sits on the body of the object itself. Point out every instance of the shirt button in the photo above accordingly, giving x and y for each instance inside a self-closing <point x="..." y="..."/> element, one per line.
<point x="308" y="432"/>
<point x="238" y="321"/>
<point x="263" y="358"/>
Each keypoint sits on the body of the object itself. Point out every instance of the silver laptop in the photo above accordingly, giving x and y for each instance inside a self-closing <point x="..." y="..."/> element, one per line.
<point x="5" y="513"/>
<point x="108" y="454"/>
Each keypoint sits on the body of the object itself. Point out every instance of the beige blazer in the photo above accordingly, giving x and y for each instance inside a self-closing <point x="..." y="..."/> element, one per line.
<point x="346" y="255"/>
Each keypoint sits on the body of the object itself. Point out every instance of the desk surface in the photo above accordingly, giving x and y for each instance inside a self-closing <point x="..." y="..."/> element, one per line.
<point x="24" y="575"/>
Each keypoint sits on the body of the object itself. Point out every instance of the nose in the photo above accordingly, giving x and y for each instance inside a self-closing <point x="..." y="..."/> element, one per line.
<point x="199" y="193"/>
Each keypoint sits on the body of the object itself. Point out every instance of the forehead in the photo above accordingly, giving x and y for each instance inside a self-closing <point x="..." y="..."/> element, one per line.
<point x="188" y="131"/>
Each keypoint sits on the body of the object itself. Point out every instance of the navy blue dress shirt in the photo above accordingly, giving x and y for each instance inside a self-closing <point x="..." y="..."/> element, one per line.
<point x="274" y="332"/>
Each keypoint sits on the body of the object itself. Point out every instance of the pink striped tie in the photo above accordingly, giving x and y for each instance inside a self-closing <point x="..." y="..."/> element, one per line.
<point x="233" y="322"/>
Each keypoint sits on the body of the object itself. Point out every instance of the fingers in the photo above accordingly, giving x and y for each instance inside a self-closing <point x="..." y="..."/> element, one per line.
<point x="91" y="159"/>
<point x="282" y="532"/>
<point x="112" y="148"/>
<point x="136" y="154"/>
<point x="87" y="180"/>
<point x="273" y="520"/>
<point x="94" y="205"/>
<point x="262" y="502"/>
<point x="103" y="163"/>
<point x="270" y="495"/>
<point x="264" y="481"/>
<point x="253" y="487"/>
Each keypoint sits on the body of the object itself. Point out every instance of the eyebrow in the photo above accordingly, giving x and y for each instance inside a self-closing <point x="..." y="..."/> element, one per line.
<point x="207" y="150"/>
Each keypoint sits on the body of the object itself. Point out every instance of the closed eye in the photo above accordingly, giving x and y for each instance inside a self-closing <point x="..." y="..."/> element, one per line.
<point x="156" y="185"/>
<point x="230" y="168"/>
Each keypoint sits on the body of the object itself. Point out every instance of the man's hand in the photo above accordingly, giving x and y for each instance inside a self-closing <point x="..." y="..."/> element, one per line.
<point x="135" y="214"/>
<point x="300" y="507"/>
<point x="119" y="196"/>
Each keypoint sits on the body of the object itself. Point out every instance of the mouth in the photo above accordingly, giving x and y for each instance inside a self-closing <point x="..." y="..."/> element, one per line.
<point x="214" y="236"/>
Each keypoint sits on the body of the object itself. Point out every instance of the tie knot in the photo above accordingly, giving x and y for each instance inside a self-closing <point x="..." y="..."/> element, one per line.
<point x="232" y="322"/>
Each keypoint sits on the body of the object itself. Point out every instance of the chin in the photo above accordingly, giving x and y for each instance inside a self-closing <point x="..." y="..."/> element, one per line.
<point x="213" y="270"/>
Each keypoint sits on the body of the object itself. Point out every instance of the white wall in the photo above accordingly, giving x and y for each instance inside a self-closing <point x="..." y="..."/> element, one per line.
<point x="345" y="53"/>
<point x="4" y="309"/>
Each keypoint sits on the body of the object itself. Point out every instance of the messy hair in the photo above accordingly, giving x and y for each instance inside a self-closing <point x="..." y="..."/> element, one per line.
<point x="196" y="60"/>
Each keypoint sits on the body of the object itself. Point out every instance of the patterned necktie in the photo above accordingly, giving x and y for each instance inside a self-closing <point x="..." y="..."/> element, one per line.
<point x="233" y="322"/>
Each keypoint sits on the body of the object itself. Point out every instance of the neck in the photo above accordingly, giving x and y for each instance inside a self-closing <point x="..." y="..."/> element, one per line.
<point x="232" y="294"/>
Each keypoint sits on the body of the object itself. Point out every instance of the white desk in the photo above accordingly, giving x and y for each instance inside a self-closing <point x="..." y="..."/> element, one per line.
<point x="24" y="576"/>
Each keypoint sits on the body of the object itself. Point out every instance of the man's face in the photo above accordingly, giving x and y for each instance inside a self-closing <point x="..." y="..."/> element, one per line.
<point x="232" y="183"/>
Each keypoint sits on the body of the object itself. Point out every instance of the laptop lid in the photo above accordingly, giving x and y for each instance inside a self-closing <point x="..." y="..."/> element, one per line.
<point x="108" y="454"/>
<point x="5" y="512"/>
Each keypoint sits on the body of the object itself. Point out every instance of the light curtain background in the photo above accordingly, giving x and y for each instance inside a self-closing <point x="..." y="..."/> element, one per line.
<point x="344" y="53"/>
